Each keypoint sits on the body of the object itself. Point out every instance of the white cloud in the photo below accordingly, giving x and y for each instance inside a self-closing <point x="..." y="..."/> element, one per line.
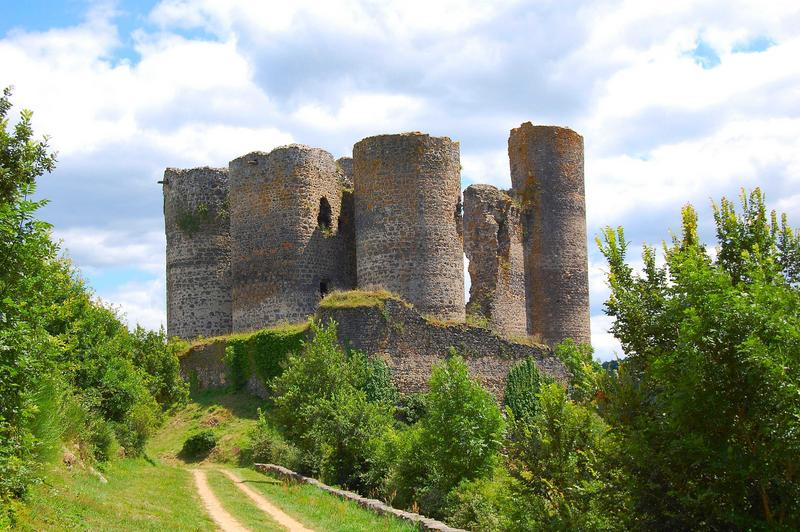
<point x="206" y="81"/>
<point x="140" y="303"/>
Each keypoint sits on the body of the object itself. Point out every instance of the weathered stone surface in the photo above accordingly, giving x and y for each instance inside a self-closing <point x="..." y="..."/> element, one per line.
<point x="346" y="166"/>
<point x="493" y="245"/>
<point x="408" y="220"/>
<point x="547" y="174"/>
<point x="411" y="345"/>
<point x="198" y="264"/>
<point x="292" y="234"/>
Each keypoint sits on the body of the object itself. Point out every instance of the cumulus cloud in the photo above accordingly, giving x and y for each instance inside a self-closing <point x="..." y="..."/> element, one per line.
<point x="680" y="101"/>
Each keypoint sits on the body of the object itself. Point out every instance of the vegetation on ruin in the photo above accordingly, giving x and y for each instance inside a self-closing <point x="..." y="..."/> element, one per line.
<point x="357" y="298"/>
<point x="190" y="221"/>
<point x="262" y="353"/>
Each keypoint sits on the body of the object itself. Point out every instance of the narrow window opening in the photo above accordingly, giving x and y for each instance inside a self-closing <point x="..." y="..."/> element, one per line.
<point x="323" y="288"/>
<point x="324" y="216"/>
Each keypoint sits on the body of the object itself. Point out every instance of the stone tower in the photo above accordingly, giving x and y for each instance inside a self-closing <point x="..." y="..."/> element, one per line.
<point x="292" y="234"/>
<point x="547" y="177"/>
<point x="198" y="252"/>
<point x="408" y="220"/>
<point x="494" y="246"/>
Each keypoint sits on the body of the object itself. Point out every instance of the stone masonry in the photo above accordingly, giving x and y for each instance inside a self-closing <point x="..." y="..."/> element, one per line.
<point x="292" y="222"/>
<point x="408" y="220"/>
<point x="262" y="242"/>
<point x="493" y="244"/>
<point x="547" y="175"/>
<point x="198" y="251"/>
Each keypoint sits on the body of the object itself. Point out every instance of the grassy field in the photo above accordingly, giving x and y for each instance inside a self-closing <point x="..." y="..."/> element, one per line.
<point x="229" y="415"/>
<point x="159" y="493"/>
<point x="319" y="510"/>
<point x="139" y="495"/>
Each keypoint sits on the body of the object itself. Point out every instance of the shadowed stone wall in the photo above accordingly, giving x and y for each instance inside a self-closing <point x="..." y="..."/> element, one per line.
<point x="493" y="244"/>
<point x="411" y="346"/>
<point x="291" y="223"/>
<point x="547" y="174"/>
<point x="408" y="220"/>
<point x="197" y="228"/>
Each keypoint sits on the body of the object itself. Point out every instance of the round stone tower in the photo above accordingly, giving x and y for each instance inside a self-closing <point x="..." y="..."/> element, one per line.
<point x="198" y="252"/>
<point x="288" y="245"/>
<point x="547" y="176"/>
<point x="408" y="220"/>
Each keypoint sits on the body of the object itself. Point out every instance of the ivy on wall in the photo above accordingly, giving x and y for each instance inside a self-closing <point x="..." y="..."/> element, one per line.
<point x="262" y="353"/>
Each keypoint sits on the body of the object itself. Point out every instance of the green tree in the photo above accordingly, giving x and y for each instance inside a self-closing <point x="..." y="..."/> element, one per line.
<point x="708" y="398"/>
<point x="561" y="460"/>
<point x="458" y="438"/>
<point x="320" y="409"/>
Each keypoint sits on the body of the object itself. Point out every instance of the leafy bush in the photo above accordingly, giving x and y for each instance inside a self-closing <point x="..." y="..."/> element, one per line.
<point x="522" y="385"/>
<point x="103" y="440"/>
<point x="373" y="376"/>
<point x="264" y="352"/>
<point x="266" y="445"/>
<point x="708" y="396"/>
<point x="320" y="409"/>
<point x="199" y="445"/>
<point x="484" y="504"/>
<point x="458" y="439"/>
<point x="561" y="460"/>
<point x="411" y="407"/>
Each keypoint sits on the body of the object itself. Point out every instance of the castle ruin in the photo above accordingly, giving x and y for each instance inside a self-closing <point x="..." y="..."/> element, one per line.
<point x="261" y="242"/>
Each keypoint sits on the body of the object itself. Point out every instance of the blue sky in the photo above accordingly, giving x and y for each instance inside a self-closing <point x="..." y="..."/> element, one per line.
<point x="678" y="102"/>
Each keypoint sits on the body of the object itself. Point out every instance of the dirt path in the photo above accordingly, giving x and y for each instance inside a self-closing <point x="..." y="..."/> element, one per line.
<point x="223" y="519"/>
<point x="265" y="506"/>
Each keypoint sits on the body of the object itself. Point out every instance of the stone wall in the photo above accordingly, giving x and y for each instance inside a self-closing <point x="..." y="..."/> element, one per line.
<point x="411" y="345"/>
<point x="408" y="220"/>
<point x="204" y="367"/>
<point x="289" y="246"/>
<point x="547" y="174"/>
<point x="198" y="264"/>
<point x="493" y="245"/>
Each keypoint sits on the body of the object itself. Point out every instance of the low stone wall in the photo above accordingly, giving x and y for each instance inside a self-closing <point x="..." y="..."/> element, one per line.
<point x="411" y="345"/>
<point x="374" y="505"/>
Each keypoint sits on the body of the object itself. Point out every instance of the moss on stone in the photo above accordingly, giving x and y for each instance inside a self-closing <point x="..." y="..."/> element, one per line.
<point x="357" y="298"/>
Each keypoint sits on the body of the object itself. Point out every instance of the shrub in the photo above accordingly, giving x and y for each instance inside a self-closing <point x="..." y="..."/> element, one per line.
<point x="372" y="376"/>
<point x="522" y="385"/>
<point x="103" y="440"/>
<point x="411" y="407"/>
<point x="483" y="504"/>
<point x="563" y="466"/>
<point x="458" y="439"/>
<point x="263" y="353"/>
<point x="319" y="408"/>
<point x="266" y="445"/>
<point x="199" y="445"/>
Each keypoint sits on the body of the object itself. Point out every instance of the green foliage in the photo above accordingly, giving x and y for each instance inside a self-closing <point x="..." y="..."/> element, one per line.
<point x="485" y="504"/>
<point x="522" y="385"/>
<point x="708" y="398"/>
<point x="586" y="374"/>
<point x="320" y="408"/>
<point x="373" y="376"/>
<point x="69" y="368"/>
<point x="197" y="446"/>
<point x="267" y="446"/>
<point x="458" y="439"/>
<point x="561" y="461"/>
<point x="411" y="407"/>
<point x="191" y="221"/>
<point x="264" y="352"/>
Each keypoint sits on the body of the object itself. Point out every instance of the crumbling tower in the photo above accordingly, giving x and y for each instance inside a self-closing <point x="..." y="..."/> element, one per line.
<point x="408" y="220"/>
<point x="198" y="252"/>
<point x="493" y="244"/>
<point x="290" y="238"/>
<point x="547" y="177"/>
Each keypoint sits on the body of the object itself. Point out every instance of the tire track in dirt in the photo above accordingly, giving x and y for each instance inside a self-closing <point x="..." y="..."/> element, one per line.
<point x="221" y="517"/>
